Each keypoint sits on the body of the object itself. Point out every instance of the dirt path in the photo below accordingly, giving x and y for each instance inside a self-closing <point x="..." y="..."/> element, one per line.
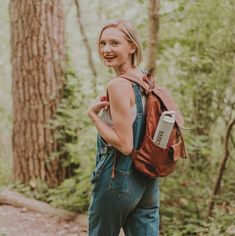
<point x="21" y="222"/>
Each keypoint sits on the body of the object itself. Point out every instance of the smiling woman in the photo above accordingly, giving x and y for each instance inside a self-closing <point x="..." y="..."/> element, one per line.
<point x="122" y="197"/>
<point x="117" y="40"/>
<point x="113" y="48"/>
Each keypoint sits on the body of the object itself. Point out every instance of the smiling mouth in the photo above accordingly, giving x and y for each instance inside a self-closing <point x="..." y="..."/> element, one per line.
<point x="109" y="57"/>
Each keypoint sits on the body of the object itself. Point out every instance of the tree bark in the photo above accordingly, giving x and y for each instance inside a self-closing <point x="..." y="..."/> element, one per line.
<point x="38" y="54"/>
<point x="222" y="167"/>
<point x="153" y="31"/>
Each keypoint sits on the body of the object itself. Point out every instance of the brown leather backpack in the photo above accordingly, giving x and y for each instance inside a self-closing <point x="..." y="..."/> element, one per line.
<point x="150" y="159"/>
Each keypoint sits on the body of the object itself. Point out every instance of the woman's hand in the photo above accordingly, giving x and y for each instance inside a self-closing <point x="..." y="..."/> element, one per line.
<point x="99" y="104"/>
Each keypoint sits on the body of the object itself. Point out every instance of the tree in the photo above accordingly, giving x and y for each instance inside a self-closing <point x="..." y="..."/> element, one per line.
<point x="38" y="53"/>
<point x="222" y="167"/>
<point x="153" y="29"/>
<point x="87" y="46"/>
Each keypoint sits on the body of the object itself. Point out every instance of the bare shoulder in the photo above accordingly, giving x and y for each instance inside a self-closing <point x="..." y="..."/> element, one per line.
<point x="120" y="89"/>
<point x="119" y="84"/>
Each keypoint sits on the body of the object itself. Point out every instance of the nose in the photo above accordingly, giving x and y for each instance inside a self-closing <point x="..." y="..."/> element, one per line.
<point x="106" y="48"/>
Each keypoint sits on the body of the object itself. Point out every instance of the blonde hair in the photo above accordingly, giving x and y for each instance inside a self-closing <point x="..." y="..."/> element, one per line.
<point x="131" y="36"/>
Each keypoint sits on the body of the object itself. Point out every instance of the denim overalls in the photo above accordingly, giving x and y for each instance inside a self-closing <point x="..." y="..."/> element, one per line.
<point x="130" y="199"/>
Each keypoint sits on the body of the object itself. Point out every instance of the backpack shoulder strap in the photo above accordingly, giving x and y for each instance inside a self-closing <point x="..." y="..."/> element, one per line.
<point x="134" y="78"/>
<point x="162" y="93"/>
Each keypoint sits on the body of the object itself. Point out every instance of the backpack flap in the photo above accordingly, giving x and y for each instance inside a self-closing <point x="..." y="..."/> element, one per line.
<point x="166" y="98"/>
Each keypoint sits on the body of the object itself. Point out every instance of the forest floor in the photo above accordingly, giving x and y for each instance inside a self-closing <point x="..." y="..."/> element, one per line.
<point x="17" y="221"/>
<point x="22" y="222"/>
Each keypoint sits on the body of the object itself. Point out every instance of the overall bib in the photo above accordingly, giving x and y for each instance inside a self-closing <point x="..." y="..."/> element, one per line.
<point x="130" y="200"/>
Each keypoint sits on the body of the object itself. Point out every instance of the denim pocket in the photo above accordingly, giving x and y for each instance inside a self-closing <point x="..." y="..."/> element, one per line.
<point x="96" y="173"/>
<point x="120" y="185"/>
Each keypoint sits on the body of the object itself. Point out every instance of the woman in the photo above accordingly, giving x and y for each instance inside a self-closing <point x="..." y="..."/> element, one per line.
<point x="122" y="197"/>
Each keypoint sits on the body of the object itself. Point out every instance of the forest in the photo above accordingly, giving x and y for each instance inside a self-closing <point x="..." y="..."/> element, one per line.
<point x="50" y="72"/>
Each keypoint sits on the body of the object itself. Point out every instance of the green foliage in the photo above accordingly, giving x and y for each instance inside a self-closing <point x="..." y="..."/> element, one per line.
<point x="36" y="188"/>
<point x="5" y="95"/>
<point x="3" y="171"/>
<point x="5" y="161"/>
<point x="76" y="137"/>
<point x="3" y="234"/>
<point x="195" y="61"/>
<point x="76" y="190"/>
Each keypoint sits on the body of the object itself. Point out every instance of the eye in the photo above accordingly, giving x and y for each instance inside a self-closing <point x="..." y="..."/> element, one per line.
<point x="102" y="43"/>
<point x="114" y="43"/>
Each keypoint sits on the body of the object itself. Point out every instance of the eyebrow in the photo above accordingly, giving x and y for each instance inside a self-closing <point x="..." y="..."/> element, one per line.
<point x="112" y="39"/>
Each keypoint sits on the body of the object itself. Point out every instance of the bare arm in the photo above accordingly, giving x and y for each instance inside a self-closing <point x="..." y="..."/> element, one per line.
<point x="121" y="136"/>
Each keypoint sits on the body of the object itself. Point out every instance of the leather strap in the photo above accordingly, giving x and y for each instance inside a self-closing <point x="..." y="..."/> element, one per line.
<point x="183" y="146"/>
<point x="160" y="92"/>
<point x="135" y="78"/>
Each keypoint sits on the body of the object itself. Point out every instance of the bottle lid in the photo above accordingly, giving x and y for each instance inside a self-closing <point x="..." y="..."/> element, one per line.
<point x="169" y="116"/>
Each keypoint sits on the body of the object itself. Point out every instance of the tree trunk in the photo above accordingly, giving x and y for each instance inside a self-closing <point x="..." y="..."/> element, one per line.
<point x="8" y="197"/>
<point x="221" y="168"/>
<point x="153" y="29"/>
<point x="37" y="42"/>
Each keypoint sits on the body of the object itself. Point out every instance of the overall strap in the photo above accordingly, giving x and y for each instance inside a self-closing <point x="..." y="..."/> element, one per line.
<point x="139" y="112"/>
<point x="138" y="99"/>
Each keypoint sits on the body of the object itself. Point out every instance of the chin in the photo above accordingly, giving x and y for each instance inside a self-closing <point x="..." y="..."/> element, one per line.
<point x="109" y="65"/>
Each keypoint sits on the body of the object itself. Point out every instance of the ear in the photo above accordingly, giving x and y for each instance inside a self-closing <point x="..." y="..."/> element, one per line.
<point x="133" y="48"/>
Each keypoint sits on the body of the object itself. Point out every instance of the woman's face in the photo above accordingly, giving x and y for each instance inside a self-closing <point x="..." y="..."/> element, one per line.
<point x="115" y="49"/>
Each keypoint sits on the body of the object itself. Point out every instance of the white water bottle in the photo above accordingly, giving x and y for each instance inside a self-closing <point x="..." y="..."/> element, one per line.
<point x="164" y="128"/>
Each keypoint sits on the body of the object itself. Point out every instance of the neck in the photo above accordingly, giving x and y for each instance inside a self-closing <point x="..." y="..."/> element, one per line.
<point x="132" y="70"/>
<point x="124" y="68"/>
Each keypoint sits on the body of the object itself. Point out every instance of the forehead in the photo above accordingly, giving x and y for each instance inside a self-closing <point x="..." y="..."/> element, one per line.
<point x="112" y="33"/>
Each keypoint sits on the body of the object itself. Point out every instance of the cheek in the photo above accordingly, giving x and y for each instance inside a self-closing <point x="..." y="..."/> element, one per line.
<point x="100" y="52"/>
<point x="126" y="55"/>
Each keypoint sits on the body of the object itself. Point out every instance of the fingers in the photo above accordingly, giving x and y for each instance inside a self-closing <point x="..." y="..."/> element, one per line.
<point x="97" y="106"/>
<point x="98" y="98"/>
<point x="103" y="98"/>
<point x="103" y="104"/>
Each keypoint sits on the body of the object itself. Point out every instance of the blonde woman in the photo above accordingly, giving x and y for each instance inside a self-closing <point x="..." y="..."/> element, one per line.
<point x="122" y="197"/>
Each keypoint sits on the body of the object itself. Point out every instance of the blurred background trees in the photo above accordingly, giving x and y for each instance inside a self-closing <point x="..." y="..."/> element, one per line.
<point x="195" y="60"/>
